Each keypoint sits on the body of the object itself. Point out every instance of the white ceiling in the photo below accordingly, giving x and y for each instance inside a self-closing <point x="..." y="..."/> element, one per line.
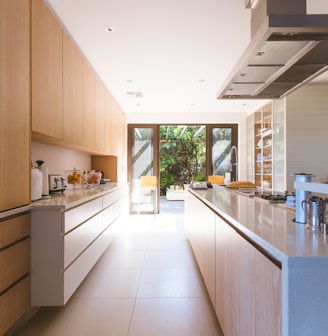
<point x="176" y="54"/>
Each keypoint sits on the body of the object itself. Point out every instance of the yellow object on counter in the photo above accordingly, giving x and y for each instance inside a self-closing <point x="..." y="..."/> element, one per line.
<point x="216" y="179"/>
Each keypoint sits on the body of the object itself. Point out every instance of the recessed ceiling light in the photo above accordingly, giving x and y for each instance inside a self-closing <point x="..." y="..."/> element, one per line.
<point x="109" y="29"/>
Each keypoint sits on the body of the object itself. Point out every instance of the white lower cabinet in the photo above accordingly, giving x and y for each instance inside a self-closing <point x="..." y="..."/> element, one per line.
<point x="65" y="245"/>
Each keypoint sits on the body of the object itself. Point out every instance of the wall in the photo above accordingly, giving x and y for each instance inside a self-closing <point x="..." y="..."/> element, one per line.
<point x="60" y="159"/>
<point x="316" y="6"/>
<point x="201" y="118"/>
<point x="307" y="133"/>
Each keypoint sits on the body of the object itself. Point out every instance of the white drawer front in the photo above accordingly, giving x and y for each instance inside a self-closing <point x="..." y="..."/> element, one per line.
<point x="81" y="213"/>
<point x="76" y="241"/>
<point x="114" y="196"/>
<point x="75" y="274"/>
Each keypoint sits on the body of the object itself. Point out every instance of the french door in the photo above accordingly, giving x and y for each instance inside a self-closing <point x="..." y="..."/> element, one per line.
<point x="143" y="156"/>
<point x="222" y="140"/>
<point x="142" y="161"/>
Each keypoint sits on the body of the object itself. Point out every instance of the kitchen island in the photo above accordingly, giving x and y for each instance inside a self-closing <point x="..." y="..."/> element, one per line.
<point x="265" y="274"/>
<point x="69" y="233"/>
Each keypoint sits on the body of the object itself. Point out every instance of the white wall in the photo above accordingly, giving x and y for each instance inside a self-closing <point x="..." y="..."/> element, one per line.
<point x="201" y="118"/>
<point x="316" y="6"/>
<point x="307" y="133"/>
<point x="59" y="159"/>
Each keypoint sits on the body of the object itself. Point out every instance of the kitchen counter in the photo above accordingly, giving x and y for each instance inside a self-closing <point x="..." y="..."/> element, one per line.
<point x="68" y="199"/>
<point x="300" y="254"/>
<point x="71" y="198"/>
<point x="270" y="226"/>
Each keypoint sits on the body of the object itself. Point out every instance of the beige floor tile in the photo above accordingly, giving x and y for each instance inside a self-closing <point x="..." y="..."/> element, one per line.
<point x="82" y="318"/>
<point x="173" y="317"/>
<point x="130" y="242"/>
<point x="109" y="283"/>
<point x="169" y="259"/>
<point x="167" y="241"/>
<point x="171" y="283"/>
<point x="122" y="259"/>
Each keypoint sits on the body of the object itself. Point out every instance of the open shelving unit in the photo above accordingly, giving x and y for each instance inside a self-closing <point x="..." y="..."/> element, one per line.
<point x="263" y="154"/>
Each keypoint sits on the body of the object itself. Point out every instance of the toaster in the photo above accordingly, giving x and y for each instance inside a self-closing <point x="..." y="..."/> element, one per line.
<point x="56" y="183"/>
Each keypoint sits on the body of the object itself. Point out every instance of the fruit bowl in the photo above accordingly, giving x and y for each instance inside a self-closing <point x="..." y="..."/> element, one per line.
<point x="92" y="178"/>
<point x="74" y="178"/>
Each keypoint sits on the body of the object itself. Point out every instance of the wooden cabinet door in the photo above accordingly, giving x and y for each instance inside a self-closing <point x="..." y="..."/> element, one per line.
<point x="47" y="81"/>
<point x="72" y="92"/>
<point x="14" y="103"/>
<point x="89" y="105"/>
<point x="226" y="300"/>
<point x="100" y="115"/>
<point x="109" y="119"/>
<point x="259" y="292"/>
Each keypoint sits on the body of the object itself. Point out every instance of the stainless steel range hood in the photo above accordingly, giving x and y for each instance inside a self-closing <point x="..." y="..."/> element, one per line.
<point x="288" y="49"/>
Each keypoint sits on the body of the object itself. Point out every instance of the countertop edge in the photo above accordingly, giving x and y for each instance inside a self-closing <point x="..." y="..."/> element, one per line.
<point x="72" y="198"/>
<point x="289" y="260"/>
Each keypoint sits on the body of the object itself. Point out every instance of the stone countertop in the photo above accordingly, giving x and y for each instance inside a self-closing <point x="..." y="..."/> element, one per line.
<point x="71" y="198"/>
<point x="270" y="226"/>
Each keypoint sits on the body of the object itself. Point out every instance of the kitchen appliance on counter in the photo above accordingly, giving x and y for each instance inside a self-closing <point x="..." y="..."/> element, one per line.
<point x="198" y="185"/>
<point x="314" y="208"/>
<point x="301" y="195"/>
<point x="36" y="184"/>
<point x="45" y="178"/>
<point x="56" y="183"/>
<point x="271" y="197"/>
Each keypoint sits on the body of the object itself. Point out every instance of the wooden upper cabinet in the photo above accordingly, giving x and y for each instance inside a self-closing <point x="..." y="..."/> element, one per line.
<point x="100" y="115"/>
<point x="89" y="105"/>
<point x="47" y="46"/>
<point x="72" y="92"/>
<point x="114" y="127"/>
<point x="14" y="104"/>
<point x="109" y="113"/>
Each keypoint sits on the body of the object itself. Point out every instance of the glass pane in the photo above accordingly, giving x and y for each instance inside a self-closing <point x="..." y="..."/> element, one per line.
<point x="142" y="161"/>
<point x="222" y="161"/>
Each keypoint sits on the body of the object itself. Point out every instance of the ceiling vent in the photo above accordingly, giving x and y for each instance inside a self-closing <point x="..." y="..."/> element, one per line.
<point x="134" y="94"/>
<point x="288" y="48"/>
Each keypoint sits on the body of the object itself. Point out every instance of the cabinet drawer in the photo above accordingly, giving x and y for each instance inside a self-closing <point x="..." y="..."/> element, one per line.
<point x="114" y="196"/>
<point x="14" y="303"/>
<point x="14" y="263"/>
<point x="81" y="213"/>
<point x="14" y="229"/>
<point x="76" y="241"/>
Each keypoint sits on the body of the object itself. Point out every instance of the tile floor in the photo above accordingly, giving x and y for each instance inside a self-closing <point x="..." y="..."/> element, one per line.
<point x="146" y="284"/>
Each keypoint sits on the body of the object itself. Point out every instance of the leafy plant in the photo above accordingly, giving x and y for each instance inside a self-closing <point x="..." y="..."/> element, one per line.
<point x="182" y="155"/>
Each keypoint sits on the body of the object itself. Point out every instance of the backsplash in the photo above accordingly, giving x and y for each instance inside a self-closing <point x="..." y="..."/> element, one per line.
<point x="59" y="159"/>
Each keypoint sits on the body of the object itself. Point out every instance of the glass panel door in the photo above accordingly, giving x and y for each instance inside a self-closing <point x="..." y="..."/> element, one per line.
<point x="143" y="161"/>
<point x="224" y="153"/>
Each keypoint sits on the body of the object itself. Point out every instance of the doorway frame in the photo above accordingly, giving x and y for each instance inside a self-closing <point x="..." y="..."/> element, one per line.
<point x="130" y="134"/>
<point x="156" y="141"/>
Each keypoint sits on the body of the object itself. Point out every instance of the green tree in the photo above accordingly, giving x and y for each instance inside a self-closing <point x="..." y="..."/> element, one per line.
<point x="182" y="155"/>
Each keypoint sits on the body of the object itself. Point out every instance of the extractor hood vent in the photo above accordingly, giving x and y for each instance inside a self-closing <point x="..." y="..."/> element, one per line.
<point x="286" y="51"/>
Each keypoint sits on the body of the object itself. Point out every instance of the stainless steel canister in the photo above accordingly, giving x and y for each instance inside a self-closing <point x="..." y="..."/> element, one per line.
<point x="301" y="195"/>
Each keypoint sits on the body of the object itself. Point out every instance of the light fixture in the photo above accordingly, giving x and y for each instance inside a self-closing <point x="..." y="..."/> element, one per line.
<point x="109" y="29"/>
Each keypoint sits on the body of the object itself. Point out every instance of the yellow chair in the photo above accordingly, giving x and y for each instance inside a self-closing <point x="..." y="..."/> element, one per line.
<point x="148" y="184"/>
<point x="216" y="179"/>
